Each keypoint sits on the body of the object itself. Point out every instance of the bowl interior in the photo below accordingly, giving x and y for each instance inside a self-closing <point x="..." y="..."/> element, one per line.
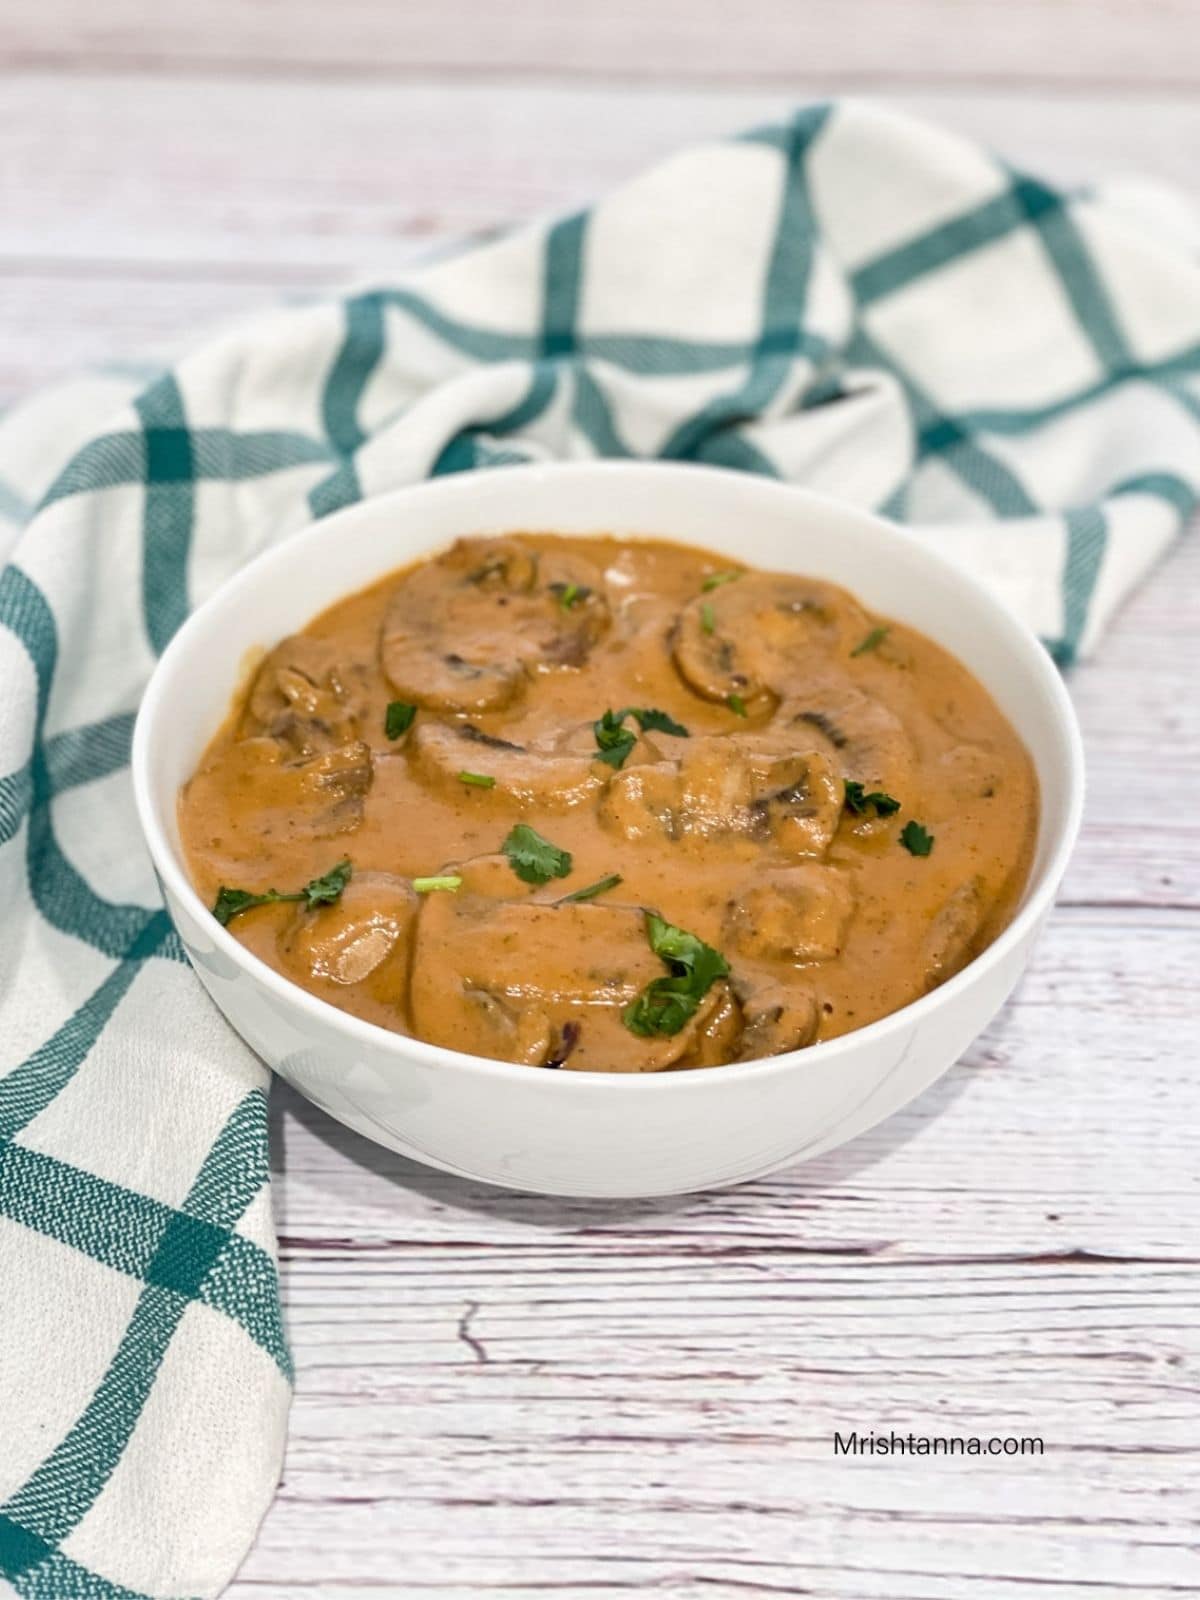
<point x="749" y="520"/>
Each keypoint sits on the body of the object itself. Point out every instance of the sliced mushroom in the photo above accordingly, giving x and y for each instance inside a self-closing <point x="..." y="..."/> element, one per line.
<point x="473" y="1014"/>
<point x="641" y="802"/>
<point x="864" y="739"/>
<point x="715" y="1033"/>
<point x="754" y="636"/>
<point x="708" y="1039"/>
<point x="464" y="633"/>
<point x="771" y="785"/>
<point x="949" y="943"/>
<point x="504" y="565"/>
<point x="777" y="1018"/>
<point x="514" y="979"/>
<point x="319" y="797"/>
<point x="496" y="978"/>
<point x="714" y="788"/>
<point x="797" y="799"/>
<point x="305" y="696"/>
<point x="488" y="877"/>
<point x="333" y="787"/>
<point x="758" y="785"/>
<point x="793" y="914"/>
<point x="550" y="777"/>
<point x="362" y="935"/>
<point x="503" y="1029"/>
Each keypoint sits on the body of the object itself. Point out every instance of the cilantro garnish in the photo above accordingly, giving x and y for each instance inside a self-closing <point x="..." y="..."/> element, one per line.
<point x="666" y="1004"/>
<point x="708" y="617"/>
<point x="322" y="891"/>
<point x="872" y="641"/>
<point x="737" y="705"/>
<point x="534" y="859"/>
<point x="651" y="721"/>
<point x="448" y="882"/>
<point x="570" y="594"/>
<point x="398" y="718"/>
<point x="478" y="780"/>
<point x="614" y="741"/>
<point x="716" y="579"/>
<point x="915" y="839"/>
<point x="601" y="886"/>
<point x="862" y="804"/>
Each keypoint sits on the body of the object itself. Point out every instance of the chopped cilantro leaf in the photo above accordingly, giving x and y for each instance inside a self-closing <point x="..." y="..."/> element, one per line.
<point x="716" y="579"/>
<point x="708" y="617"/>
<point x="650" y="720"/>
<point x="915" y="839"/>
<point x="665" y="1005"/>
<point x="614" y="741"/>
<point x="862" y="804"/>
<point x="324" y="891"/>
<point x="737" y="705"/>
<point x="231" y="902"/>
<point x="872" y="641"/>
<point x="570" y="594"/>
<point x="321" y="891"/>
<point x="534" y="859"/>
<point x="398" y="718"/>
<point x="601" y="886"/>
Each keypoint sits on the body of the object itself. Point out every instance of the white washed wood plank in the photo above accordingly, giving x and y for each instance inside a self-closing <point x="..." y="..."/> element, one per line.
<point x="347" y="177"/>
<point x="1140" y="713"/>
<point x="796" y="1549"/>
<point x="693" y="1411"/>
<point x="864" y="42"/>
<point x="54" y="327"/>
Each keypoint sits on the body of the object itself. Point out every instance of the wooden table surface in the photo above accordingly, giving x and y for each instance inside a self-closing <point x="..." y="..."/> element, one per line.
<point x="528" y="1397"/>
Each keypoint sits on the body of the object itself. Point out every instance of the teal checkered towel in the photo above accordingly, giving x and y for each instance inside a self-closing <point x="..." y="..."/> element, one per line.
<point x="850" y="301"/>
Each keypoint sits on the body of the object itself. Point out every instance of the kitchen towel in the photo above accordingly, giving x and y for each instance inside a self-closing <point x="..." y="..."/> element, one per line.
<point x="850" y="300"/>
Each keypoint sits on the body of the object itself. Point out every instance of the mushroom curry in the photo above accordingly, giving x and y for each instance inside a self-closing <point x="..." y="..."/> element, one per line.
<point x="611" y="805"/>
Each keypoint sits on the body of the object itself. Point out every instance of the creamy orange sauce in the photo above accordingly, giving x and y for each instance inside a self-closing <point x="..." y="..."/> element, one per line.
<point x="740" y="833"/>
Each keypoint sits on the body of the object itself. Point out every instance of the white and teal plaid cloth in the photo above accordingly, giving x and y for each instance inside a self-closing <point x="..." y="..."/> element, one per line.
<point x="850" y="301"/>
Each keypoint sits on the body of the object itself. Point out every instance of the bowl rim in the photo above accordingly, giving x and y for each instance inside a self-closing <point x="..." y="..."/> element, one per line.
<point x="1039" y="896"/>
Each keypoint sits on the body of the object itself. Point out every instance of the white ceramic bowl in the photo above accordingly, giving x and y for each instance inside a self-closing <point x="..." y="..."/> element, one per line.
<point x="583" y="1133"/>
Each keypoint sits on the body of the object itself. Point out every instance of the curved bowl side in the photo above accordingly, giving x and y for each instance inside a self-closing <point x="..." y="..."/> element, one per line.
<point x="575" y="1133"/>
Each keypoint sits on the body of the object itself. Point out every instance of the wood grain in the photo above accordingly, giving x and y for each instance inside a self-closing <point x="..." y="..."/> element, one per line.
<point x="501" y="1394"/>
<point x="220" y="177"/>
<point x="1141" y="722"/>
<point x="858" y="42"/>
